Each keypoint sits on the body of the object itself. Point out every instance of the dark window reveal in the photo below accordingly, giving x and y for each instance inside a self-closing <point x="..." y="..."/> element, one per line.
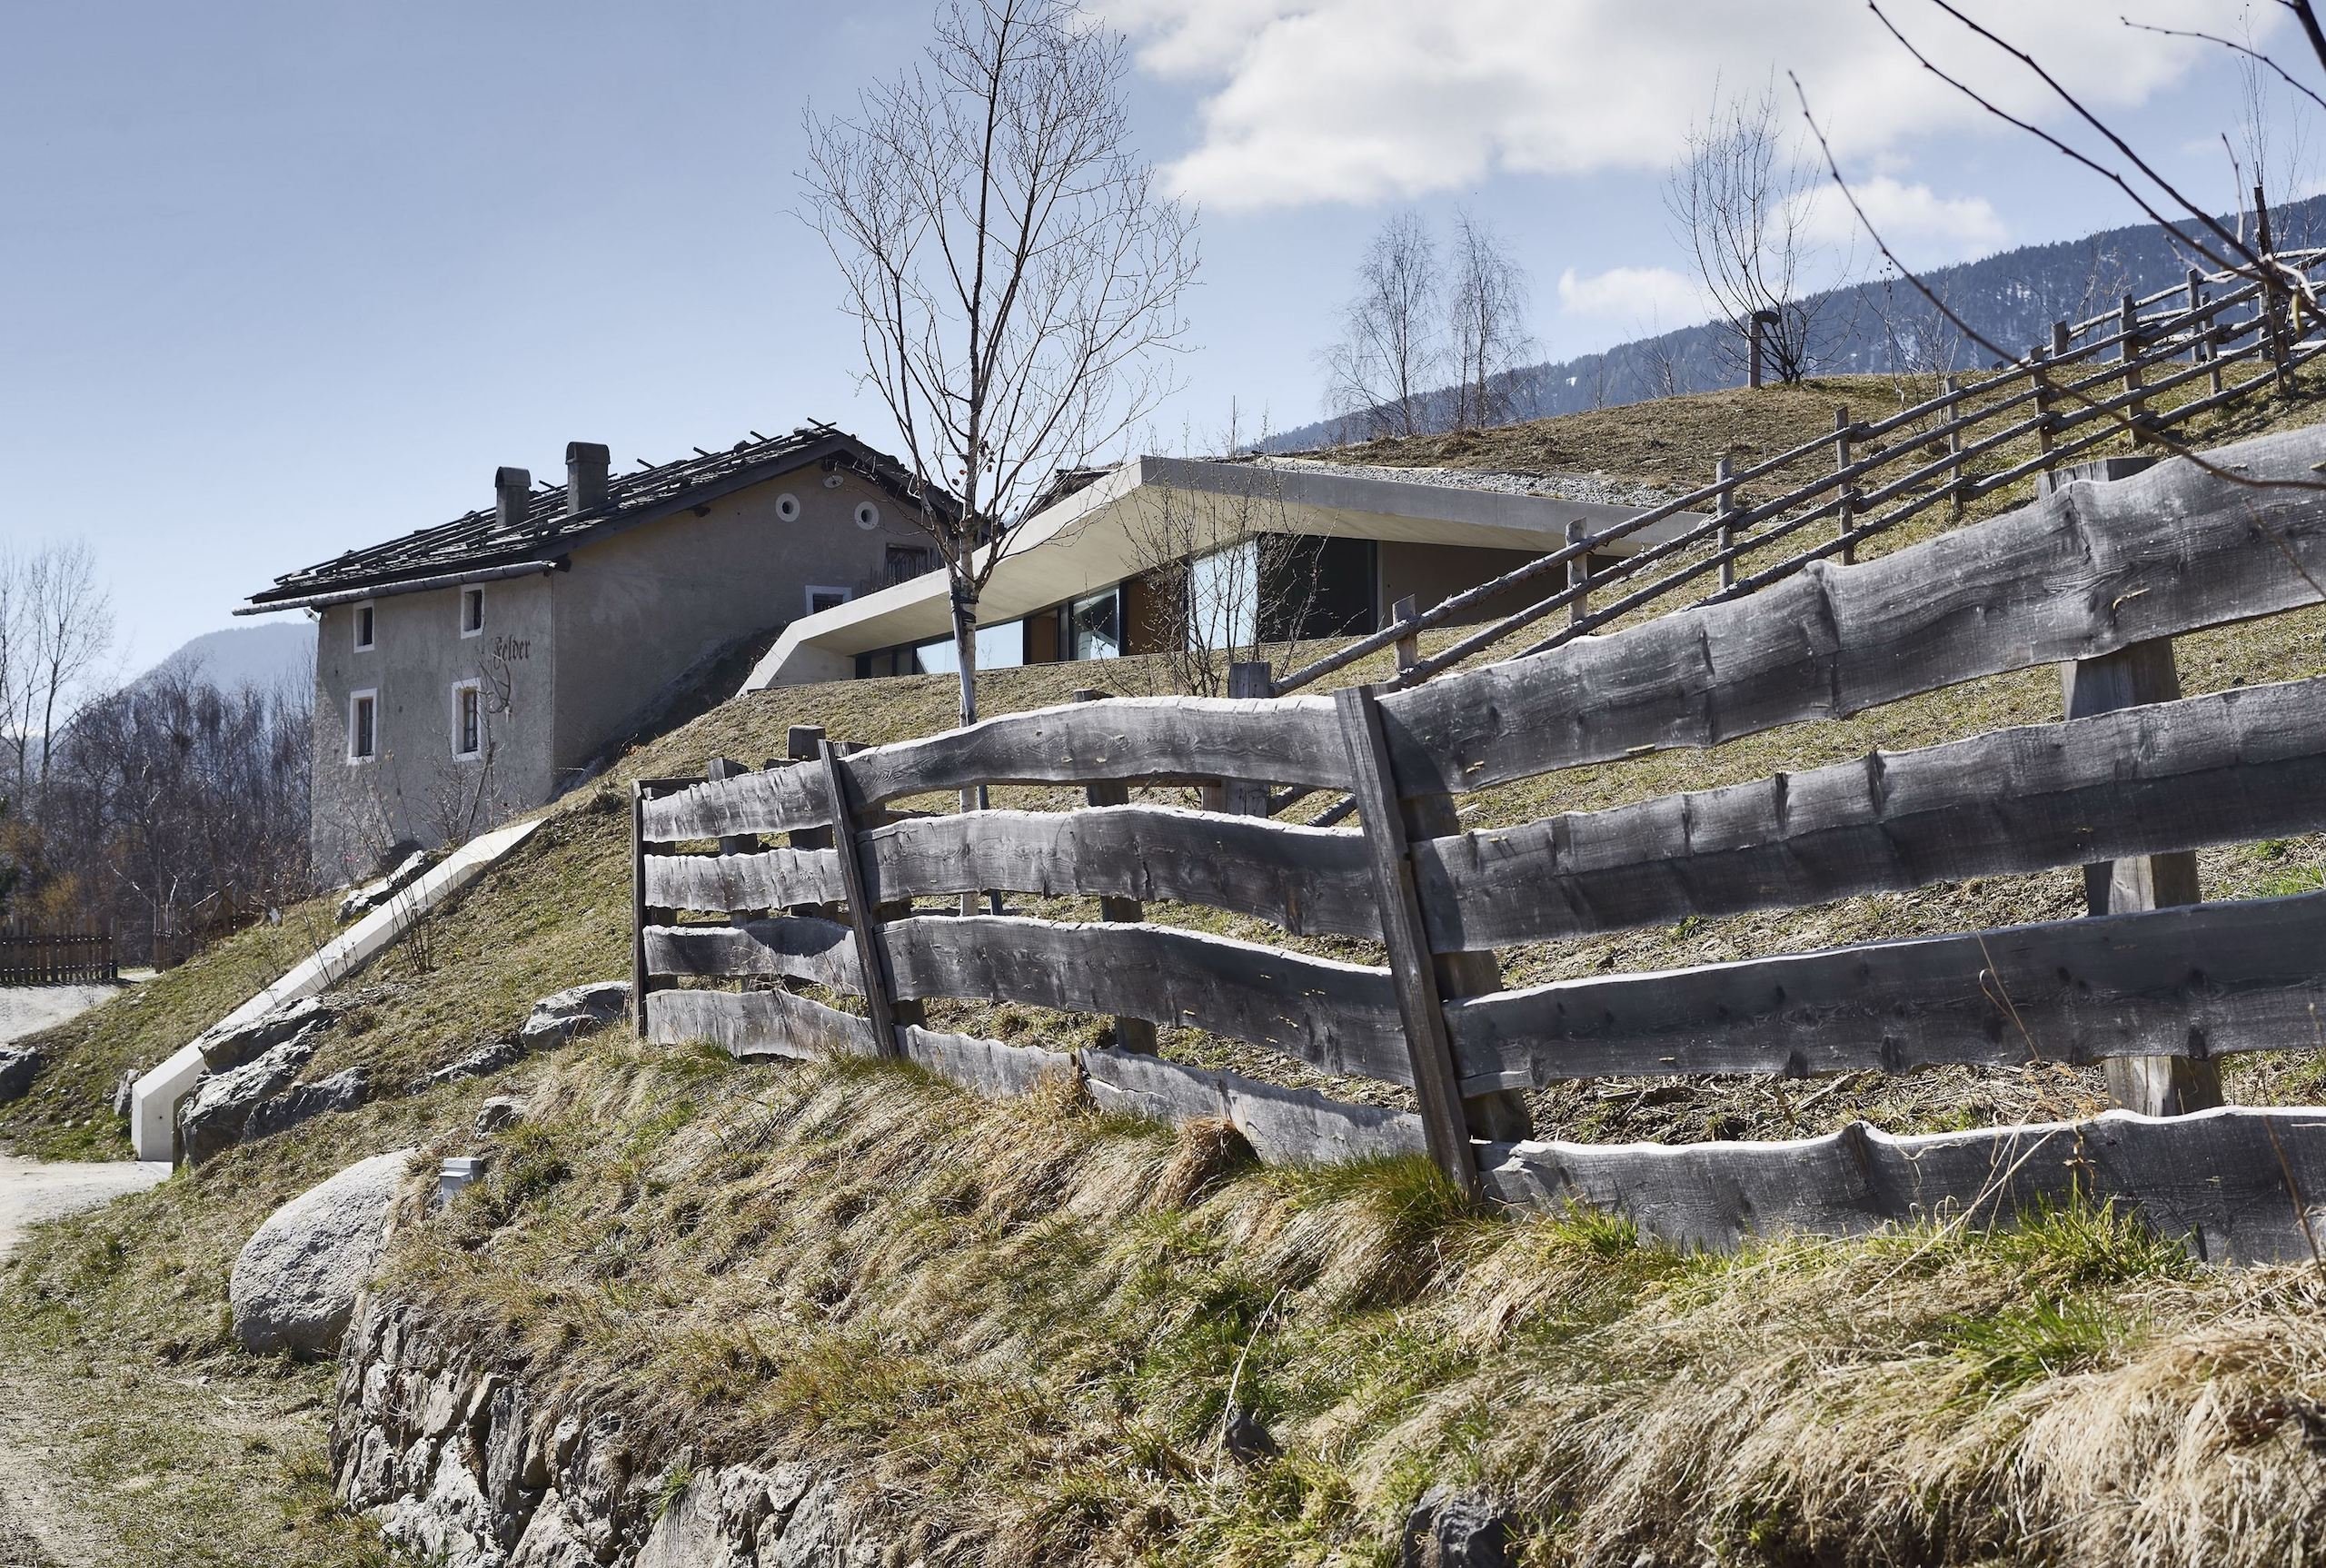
<point x="1315" y="586"/>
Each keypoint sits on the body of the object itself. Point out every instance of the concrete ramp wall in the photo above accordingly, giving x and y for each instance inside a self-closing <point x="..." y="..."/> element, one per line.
<point x="154" y="1104"/>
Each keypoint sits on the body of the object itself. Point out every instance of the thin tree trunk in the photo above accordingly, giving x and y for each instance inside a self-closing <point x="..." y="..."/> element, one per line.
<point x="964" y="651"/>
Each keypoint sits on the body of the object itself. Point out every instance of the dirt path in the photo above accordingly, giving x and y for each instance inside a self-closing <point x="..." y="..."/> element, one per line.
<point x="29" y="1009"/>
<point x="39" y="1525"/>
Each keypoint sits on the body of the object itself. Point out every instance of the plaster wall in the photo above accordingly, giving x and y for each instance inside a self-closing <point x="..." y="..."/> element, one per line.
<point x="637" y="610"/>
<point x="1431" y="572"/>
<point x="415" y="787"/>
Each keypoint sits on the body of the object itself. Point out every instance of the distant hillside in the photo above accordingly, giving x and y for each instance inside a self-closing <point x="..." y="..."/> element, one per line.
<point x="264" y="656"/>
<point x="2010" y="298"/>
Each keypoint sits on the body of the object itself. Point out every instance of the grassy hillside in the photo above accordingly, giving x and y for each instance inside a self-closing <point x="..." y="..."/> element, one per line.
<point x="1022" y="1319"/>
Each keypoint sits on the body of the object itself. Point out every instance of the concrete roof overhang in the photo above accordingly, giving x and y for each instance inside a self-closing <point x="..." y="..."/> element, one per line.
<point x="1154" y="507"/>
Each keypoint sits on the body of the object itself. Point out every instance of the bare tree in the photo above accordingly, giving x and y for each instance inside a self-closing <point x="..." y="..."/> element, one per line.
<point x="71" y="619"/>
<point x="1661" y="372"/>
<point x="1741" y="199"/>
<point x="1010" y="263"/>
<point x="1380" y="374"/>
<point x="1225" y="572"/>
<point x="1486" y="307"/>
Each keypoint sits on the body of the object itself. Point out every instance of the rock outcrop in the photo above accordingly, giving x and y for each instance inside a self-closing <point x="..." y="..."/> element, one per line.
<point x="342" y="1091"/>
<point x="461" y="1462"/>
<point x="19" y="1065"/>
<point x="570" y="1015"/>
<point x="224" y="1050"/>
<point x="214" y="1115"/>
<point x="362" y="900"/>
<point x="1450" y="1529"/>
<point x="296" y="1280"/>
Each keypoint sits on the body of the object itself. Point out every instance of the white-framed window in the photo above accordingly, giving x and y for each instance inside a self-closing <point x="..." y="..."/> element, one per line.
<point x="867" y="516"/>
<point x="786" y="507"/>
<point x="362" y="726"/>
<point x="471" y="612"/>
<point x="827" y="598"/>
<point x="365" y="627"/>
<point x="468" y="718"/>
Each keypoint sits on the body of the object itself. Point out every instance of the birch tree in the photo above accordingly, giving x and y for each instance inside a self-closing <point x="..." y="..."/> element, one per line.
<point x="1012" y="265"/>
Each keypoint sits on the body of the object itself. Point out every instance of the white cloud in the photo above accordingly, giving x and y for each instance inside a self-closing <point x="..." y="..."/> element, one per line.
<point x="1643" y="297"/>
<point x="1365" y="100"/>
<point x="1926" y="229"/>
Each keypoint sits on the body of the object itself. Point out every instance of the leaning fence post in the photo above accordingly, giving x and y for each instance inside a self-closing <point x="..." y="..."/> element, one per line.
<point x="1437" y="1090"/>
<point x="872" y="959"/>
<point x="1728" y="535"/>
<point x="2273" y="324"/>
<point x="1130" y="1033"/>
<point x="2133" y="676"/>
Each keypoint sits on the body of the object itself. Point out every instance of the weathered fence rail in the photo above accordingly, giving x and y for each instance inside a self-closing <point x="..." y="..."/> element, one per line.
<point x="2085" y="578"/>
<point x="30" y="958"/>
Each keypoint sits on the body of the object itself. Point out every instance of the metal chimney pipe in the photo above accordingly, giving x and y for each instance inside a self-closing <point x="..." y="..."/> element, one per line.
<point x="585" y="476"/>
<point x="511" y="496"/>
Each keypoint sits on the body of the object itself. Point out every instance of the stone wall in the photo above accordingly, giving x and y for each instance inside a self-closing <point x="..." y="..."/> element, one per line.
<point x="461" y="1462"/>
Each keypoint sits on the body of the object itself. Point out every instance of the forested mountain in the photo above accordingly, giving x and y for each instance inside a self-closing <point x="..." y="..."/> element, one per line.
<point x="2010" y="298"/>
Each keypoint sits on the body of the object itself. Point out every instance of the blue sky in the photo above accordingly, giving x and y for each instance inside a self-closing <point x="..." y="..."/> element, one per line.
<point x="281" y="279"/>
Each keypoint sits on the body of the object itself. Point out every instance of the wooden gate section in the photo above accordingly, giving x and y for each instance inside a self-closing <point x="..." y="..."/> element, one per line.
<point x="2080" y="575"/>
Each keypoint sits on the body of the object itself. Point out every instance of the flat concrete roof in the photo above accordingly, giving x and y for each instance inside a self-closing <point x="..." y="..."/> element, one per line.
<point x="1110" y="530"/>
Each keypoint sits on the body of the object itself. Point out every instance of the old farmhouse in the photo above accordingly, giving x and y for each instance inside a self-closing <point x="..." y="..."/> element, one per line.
<point x="470" y="670"/>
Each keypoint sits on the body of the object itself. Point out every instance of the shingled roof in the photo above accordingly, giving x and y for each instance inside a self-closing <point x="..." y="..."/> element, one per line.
<point x="480" y="541"/>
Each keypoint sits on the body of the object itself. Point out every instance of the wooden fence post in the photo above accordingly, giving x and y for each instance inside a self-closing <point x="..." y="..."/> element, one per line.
<point x="1578" y="574"/>
<point x="638" y="981"/>
<point x="1437" y="1088"/>
<point x="1845" y="504"/>
<point x="1130" y="1033"/>
<point x="2036" y="362"/>
<point x="2128" y="322"/>
<point x="1728" y="535"/>
<point x="1247" y="797"/>
<point x="863" y="920"/>
<point x="2142" y="673"/>
<point x="1408" y="647"/>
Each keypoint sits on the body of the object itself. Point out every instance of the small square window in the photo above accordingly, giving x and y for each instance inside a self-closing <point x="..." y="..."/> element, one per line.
<point x="362" y="726"/>
<point x="471" y="612"/>
<point x="828" y="598"/>
<point x="364" y="627"/>
<point x="468" y="719"/>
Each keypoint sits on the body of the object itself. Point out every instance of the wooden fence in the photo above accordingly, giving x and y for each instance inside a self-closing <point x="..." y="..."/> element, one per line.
<point x="2097" y="579"/>
<point x="29" y="957"/>
<point x="2082" y="388"/>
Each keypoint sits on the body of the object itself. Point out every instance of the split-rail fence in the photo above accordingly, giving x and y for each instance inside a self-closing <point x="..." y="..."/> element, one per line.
<point x="2227" y="336"/>
<point x="2096" y="578"/>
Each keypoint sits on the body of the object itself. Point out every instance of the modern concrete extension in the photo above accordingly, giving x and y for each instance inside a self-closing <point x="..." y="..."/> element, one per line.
<point x="1105" y="533"/>
<point x="154" y="1104"/>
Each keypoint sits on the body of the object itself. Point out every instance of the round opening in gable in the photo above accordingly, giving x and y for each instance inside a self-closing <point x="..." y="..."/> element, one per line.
<point x="867" y="515"/>
<point x="786" y="507"/>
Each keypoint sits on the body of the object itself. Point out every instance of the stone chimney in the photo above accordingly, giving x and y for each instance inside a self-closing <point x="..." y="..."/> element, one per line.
<point x="585" y="476"/>
<point x="512" y="489"/>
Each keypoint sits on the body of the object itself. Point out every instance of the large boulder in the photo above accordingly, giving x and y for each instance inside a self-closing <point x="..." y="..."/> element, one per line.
<point x="569" y="1015"/>
<point x="212" y="1119"/>
<point x="224" y="1050"/>
<point x="295" y="1283"/>
<point x="19" y="1065"/>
